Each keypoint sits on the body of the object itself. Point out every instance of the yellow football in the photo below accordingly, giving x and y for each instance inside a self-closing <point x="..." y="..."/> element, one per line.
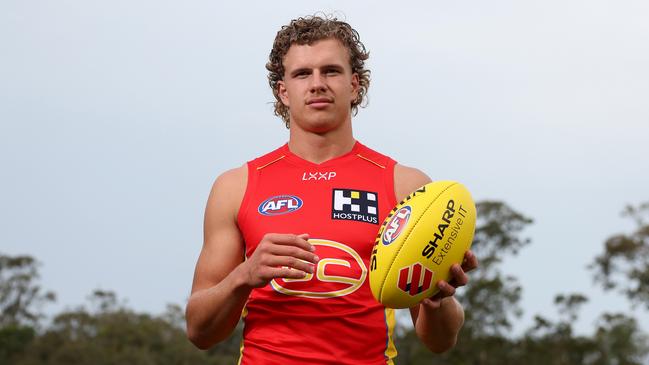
<point x="419" y="240"/>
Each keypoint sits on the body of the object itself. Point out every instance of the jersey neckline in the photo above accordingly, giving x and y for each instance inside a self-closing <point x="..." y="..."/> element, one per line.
<point x="295" y="159"/>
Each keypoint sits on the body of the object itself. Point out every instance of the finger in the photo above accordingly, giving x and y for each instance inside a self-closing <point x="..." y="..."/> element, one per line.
<point x="445" y="289"/>
<point x="291" y="263"/>
<point x="432" y="303"/>
<point x="469" y="262"/>
<point x="287" y="273"/>
<point x="292" y="251"/>
<point x="290" y="240"/>
<point x="458" y="276"/>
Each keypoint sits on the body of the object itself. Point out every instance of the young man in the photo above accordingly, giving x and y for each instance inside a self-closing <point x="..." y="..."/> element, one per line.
<point x="288" y="236"/>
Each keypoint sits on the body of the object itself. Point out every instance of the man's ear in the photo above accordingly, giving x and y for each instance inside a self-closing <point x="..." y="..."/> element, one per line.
<point x="356" y="85"/>
<point x="283" y="94"/>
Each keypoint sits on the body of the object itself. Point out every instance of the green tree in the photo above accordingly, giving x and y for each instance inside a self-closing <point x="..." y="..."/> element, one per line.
<point x="624" y="264"/>
<point x="13" y="341"/>
<point x="555" y="343"/>
<point x="491" y="298"/>
<point x="111" y="334"/>
<point x="619" y="341"/>
<point x="21" y="300"/>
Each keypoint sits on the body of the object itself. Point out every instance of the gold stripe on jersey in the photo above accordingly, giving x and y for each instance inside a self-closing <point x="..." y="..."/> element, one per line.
<point x="390" y="349"/>
<point x="244" y="313"/>
<point x="372" y="161"/>
<point x="270" y="163"/>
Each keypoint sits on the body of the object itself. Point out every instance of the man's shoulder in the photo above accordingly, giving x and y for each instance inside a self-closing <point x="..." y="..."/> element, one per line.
<point x="374" y="156"/>
<point x="231" y="180"/>
<point x="407" y="179"/>
<point x="362" y="148"/>
<point x="236" y="179"/>
<point x="269" y="157"/>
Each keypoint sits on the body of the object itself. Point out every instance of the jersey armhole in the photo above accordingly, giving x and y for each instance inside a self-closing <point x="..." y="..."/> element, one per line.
<point x="389" y="181"/>
<point x="245" y="202"/>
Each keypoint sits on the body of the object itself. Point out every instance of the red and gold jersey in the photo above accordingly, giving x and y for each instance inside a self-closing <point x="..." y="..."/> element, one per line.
<point x="330" y="316"/>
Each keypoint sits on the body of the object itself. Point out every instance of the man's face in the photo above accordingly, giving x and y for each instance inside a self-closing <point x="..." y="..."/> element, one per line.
<point x="318" y="85"/>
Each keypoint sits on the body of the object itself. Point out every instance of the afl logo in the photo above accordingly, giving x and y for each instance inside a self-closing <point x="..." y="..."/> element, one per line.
<point x="280" y="204"/>
<point x="396" y="225"/>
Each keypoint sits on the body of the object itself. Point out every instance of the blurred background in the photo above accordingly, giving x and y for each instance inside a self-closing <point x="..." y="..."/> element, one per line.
<point x="116" y="117"/>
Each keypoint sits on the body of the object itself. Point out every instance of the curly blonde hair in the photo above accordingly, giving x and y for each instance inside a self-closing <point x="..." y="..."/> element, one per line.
<point x="308" y="30"/>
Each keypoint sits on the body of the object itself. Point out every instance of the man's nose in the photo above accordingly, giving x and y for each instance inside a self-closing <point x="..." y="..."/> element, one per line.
<point x="318" y="82"/>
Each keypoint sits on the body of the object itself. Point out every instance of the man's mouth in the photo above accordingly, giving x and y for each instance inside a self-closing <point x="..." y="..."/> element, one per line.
<point x="319" y="102"/>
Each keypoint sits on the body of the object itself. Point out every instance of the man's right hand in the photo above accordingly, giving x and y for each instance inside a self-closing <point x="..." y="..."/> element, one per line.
<point x="279" y="256"/>
<point x="223" y="279"/>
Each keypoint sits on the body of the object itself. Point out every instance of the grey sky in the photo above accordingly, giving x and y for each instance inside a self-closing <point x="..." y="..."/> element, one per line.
<point x="115" y="117"/>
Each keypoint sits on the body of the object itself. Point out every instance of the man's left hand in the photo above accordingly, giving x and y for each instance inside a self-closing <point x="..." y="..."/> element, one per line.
<point x="458" y="278"/>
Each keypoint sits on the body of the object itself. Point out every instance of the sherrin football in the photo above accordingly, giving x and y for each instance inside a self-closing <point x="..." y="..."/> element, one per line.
<point x="419" y="240"/>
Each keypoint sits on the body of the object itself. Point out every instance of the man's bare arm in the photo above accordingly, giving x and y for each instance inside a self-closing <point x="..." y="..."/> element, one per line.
<point x="218" y="293"/>
<point x="223" y="280"/>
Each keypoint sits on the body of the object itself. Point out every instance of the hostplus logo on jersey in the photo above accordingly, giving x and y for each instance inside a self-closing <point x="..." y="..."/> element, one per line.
<point x="355" y="205"/>
<point x="280" y="204"/>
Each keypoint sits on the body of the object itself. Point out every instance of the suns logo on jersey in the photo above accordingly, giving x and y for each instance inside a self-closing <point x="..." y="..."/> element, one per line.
<point x="396" y="225"/>
<point x="280" y="204"/>
<point x="340" y="271"/>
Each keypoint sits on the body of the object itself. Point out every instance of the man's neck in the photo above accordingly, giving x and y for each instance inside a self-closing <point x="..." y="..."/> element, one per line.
<point x="318" y="148"/>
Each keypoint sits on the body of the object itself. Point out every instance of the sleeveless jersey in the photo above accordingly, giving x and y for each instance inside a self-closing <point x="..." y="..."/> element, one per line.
<point x="330" y="316"/>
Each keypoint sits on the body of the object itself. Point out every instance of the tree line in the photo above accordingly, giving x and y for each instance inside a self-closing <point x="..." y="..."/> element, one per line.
<point x="104" y="331"/>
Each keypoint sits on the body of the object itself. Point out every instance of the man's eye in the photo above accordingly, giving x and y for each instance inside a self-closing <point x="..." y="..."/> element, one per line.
<point x="332" y="72"/>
